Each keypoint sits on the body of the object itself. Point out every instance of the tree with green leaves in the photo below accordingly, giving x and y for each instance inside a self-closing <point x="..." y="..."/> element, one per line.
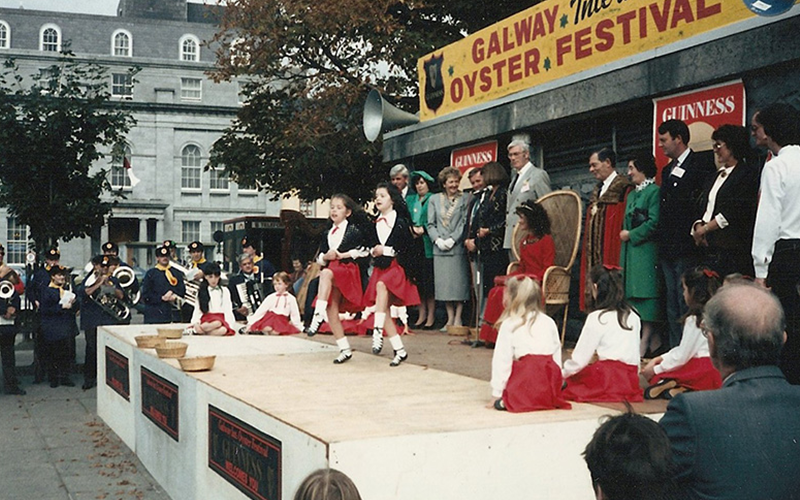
<point x="310" y="65"/>
<point x="54" y="126"/>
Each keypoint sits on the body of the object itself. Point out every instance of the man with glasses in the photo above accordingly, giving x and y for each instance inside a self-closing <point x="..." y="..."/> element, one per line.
<point x="741" y="441"/>
<point x="528" y="182"/>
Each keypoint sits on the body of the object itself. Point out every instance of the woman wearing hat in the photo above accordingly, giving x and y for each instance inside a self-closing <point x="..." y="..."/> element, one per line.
<point x="162" y="286"/>
<point x="418" y="206"/>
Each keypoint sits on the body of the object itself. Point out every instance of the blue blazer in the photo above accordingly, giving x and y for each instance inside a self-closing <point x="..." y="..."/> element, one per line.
<point x="741" y="441"/>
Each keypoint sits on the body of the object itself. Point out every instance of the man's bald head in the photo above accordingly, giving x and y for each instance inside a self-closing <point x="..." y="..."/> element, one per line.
<point x="747" y="325"/>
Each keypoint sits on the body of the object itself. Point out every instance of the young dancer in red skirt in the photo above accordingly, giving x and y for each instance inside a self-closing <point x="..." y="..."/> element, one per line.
<point x="537" y="252"/>
<point x="213" y="311"/>
<point x="612" y="331"/>
<point x="278" y="314"/>
<point x="688" y="365"/>
<point x="526" y="365"/>
<point x="389" y="284"/>
<point x="340" y="281"/>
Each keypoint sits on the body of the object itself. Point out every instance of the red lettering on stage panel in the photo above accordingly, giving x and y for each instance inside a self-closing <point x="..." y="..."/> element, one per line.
<point x="660" y="17"/>
<point x="507" y="44"/>
<point x="583" y="42"/>
<point x="682" y="12"/>
<point x="498" y="67"/>
<point x="643" y="22"/>
<point x="486" y="79"/>
<point x="538" y="26"/>
<point x="477" y="50"/>
<point x="562" y="47"/>
<point x="514" y="68"/>
<point x="494" y="45"/>
<point x="522" y="29"/>
<point x="551" y="16"/>
<point x="604" y="33"/>
<point x="531" y="62"/>
<point x="470" y="81"/>
<point x="456" y="90"/>
<point x="624" y="20"/>
<point x="704" y="12"/>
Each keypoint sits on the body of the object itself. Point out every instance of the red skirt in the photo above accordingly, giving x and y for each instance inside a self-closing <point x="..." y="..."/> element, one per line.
<point x="347" y="278"/>
<point x="534" y="384"/>
<point x="607" y="381"/>
<point x="350" y="326"/>
<point x="494" y="308"/>
<point x="209" y="317"/>
<point x="366" y="326"/>
<point x="279" y="323"/>
<point x="698" y="374"/>
<point x="401" y="291"/>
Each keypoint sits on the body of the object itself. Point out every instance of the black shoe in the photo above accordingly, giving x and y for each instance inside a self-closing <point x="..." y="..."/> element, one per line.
<point x="88" y="385"/>
<point x="54" y="383"/>
<point x="499" y="405"/>
<point x="399" y="358"/>
<point x="67" y="382"/>
<point x="16" y="391"/>
<point x="478" y="343"/>
<point x="343" y="357"/>
<point x="657" y="390"/>
<point x="316" y="322"/>
<point x="377" y="340"/>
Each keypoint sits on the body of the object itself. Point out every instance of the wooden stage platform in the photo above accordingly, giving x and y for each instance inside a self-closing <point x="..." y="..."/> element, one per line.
<point x="274" y="409"/>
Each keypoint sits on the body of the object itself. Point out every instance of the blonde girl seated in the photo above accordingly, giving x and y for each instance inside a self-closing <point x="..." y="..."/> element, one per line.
<point x="279" y="313"/>
<point x="213" y="310"/>
<point x="526" y="365"/>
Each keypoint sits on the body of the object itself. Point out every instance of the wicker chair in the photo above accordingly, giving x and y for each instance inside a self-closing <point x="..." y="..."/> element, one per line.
<point x="565" y="210"/>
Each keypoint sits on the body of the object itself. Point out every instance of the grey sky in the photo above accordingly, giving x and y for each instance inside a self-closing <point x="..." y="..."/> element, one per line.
<point x="102" y="7"/>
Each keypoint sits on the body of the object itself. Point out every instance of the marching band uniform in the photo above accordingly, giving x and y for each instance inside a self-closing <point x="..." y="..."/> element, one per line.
<point x="158" y="281"/>
<point x="8" y="333"/>
<point x="92" y="316"/>
<point x="58" y="329"/>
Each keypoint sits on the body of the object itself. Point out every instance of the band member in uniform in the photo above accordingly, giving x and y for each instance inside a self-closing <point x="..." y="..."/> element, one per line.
<point x="40" y="282"/>
<point x="99" y="283"/>
<point x="162" y="286"/>
<point x="391" y="242"/>
<point x="249" y="278"/>
<point x="9" y="305"/>
<point x="57" y="307"/>
<point x="261" y="266"/>
<point x="197" y="267"/>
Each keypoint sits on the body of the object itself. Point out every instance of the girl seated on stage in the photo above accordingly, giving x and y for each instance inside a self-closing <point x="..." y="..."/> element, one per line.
<point x="278" y="314"/>
<point x="526" y="365"/>
<point x="688" y="365"/>
<point x="389" y="285"/>
<point x="612" y="331"/>
<point x="537" y="252"/>
<point x="213" y="310"/>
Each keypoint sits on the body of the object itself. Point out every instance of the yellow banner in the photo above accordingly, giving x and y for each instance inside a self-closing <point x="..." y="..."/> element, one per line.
<point x="559" y="38"/>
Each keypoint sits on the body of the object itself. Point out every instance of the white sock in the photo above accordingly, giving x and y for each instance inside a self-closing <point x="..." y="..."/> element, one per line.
<point x="343" y="343"/>
<point x="321" y="307"/>
<point x="397" y="344"/>
<point x="380" y="319"/>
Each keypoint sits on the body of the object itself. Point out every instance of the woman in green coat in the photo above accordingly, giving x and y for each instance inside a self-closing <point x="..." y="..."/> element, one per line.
<point x="639" y="254"/>
<point x="418" y="207"/>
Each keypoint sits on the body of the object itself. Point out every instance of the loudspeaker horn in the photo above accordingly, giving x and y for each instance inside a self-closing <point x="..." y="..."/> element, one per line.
<point x="380" y="116"/>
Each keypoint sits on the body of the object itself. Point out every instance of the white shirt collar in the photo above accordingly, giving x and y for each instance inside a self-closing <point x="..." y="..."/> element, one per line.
<point x="524" y="169"/>
<point x="390" y="216"/>
<point x="404" y="192"/>
<point x="682" y="157"/>
<point x="607" y="182"/>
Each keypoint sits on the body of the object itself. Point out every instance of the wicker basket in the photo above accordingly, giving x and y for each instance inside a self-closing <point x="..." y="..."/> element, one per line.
<point x="172" y="350"/>
<point x="197" y="364"/>
<point x="149" y="341"/>
<point x="170" y="333"/>
<point x="459" y="331"/>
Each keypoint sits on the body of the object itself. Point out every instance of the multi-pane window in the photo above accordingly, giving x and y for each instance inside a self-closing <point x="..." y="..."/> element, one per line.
<point x="190" y="48"/>
<point x="190" y="230"/>
<point x="119" y="174"/>
<point x="17" y="241"/>
<point x="5" y="35"/>
<point x="121" y="85"/>
<point x="121" y="44"/>
<point x="247" y="188"/>
<point x="217" y="226"/>
<point x="307" y="208"/>
<point x="190" y="168"/>
<point x="50" y="38"/>
<point x="191" y="88"/>
<point x="218" y="179"/>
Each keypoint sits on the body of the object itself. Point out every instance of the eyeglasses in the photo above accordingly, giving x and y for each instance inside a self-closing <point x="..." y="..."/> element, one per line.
<point x="512" y="155"/>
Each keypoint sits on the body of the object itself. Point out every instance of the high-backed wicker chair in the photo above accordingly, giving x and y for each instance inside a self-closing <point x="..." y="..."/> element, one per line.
<point x="565" y="210"/>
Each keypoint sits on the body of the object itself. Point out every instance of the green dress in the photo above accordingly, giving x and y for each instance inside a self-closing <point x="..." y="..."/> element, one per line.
<point x="639" y="255"/>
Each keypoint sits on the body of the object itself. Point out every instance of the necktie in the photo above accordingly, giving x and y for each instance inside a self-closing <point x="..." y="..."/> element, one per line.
<point x="335" y="228"/>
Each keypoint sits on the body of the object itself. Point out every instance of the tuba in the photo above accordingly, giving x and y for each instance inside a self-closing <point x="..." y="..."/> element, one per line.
<point x="109" y="303"/>
<point x="129" y="283"/>
<point x="192" y="287"/>
<point x="6" y="292"/>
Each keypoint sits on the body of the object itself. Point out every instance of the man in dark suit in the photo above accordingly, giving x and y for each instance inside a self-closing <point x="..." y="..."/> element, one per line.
<point x="682" y="182"/>
<point x="743" y="440"/>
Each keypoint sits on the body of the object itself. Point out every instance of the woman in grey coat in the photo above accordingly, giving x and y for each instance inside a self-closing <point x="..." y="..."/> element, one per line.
<point x="447" y="214"/>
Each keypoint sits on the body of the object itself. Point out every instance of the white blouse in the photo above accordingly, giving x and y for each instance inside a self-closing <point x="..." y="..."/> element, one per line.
<point x="693" y="345"/>
<point x="284" y="304"/>
<point x="602" y="334"/>
<point x="219" y="301"/>
<point x="518" y="338"/>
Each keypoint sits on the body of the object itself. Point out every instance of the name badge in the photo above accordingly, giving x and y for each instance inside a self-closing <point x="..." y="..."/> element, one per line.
<point x="678" y="172"/>
<point x="525" y="187"/>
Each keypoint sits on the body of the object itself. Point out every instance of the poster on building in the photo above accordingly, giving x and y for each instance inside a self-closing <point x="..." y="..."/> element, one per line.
<point x="564" y="38"/>
<point x="703" y="110"/>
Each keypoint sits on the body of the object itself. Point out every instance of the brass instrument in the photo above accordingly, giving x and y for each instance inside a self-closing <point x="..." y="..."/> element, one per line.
<point x="129" y="283"/>
<point x="6" y="292"/>
<point x="107" y="300"/>
<point x="192" y="287"/>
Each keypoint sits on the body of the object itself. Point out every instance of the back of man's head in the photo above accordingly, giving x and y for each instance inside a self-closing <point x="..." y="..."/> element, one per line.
<point x="781" y="123"/>
<point x="629" y="458"/>
<point x="747" y="325"/>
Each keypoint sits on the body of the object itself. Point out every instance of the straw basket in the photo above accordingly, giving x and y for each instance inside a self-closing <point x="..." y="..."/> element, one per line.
<point x="197" y="364"/>
<point x="149" y="341"/>
<point x="170" y="333"/>
<point x="172" y="350"/>
<point x="459" y="331"/>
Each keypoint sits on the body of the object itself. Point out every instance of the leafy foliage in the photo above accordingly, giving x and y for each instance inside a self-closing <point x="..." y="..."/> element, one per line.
<point x="51" y="133"/>
<point x="310" y="66"/>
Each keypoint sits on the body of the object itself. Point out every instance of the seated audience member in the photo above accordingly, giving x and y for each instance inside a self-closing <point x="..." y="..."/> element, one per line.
<point x="629" y="458"/>
<point x="743" y="440"/>
<point x="327" y="484"/>
<point x="537" y="252"/>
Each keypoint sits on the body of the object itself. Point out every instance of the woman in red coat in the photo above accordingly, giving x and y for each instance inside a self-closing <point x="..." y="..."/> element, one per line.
<point x="537" y="252"/>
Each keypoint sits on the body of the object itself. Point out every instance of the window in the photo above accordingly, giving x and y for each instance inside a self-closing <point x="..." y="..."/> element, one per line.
<point x="50" y="38"/>
<point x="247" y="188"/>
<point x="119" y="174"/>
<point x="307" y="208"/>
<point x="5" y="35"/>
<point x="217" y="226"/>
<point x="190" y="48"/>
<point x="190" y="168"/>
<point x="17" y="239"/>
<point x="190" y="231"/>
<point x="219" y="179"/>
<point x="121" y="44"/>
<point x="191" y="88"/>
<point x="122" y="85"/>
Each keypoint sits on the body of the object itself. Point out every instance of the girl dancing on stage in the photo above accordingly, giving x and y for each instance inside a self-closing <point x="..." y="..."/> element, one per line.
<point x="213" y="311"/>
<point x="279" y="313"/>
<point x="526" y="365"/>
<point x="688" y="365"/>
<point x="340" y="282"/>
<point x="389" y="285"/>
<point x="612" y="331"/>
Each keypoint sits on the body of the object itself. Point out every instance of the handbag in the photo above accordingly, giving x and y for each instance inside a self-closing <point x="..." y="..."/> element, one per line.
<point x="639" y="217"/>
